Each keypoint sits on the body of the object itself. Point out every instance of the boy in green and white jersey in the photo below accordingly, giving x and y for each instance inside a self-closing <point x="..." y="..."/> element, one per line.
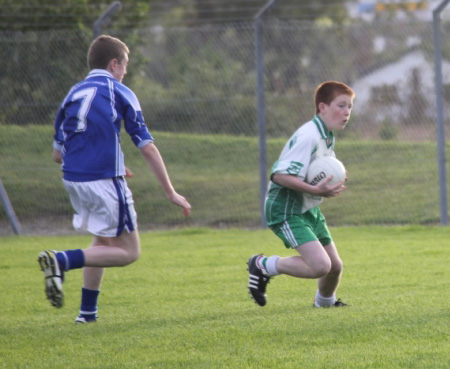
<point x="291" y="206"/>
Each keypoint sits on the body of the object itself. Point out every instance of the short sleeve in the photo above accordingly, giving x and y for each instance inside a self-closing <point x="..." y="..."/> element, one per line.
<point x="296" y="156"/>
<point x="133" y="118"/>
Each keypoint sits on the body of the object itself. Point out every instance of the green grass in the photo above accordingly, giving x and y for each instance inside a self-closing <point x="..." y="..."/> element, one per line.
<point x="184" y="304"/>
<point x="389" y="182"/>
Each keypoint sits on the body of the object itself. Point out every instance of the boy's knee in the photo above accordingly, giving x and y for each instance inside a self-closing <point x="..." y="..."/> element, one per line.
<point x="321" y="269"/>
<point x="130" y="244"/>
<point x="336" y="267"/>
<point x="132" y="256"/>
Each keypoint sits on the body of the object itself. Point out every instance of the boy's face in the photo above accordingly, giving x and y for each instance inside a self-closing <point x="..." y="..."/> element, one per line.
<point x="337" y="114"/>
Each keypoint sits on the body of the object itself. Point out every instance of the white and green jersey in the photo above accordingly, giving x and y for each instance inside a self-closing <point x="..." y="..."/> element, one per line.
<point x="312" y="140"/>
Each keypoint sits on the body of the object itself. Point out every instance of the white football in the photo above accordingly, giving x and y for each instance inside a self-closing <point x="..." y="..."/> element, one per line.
<point x="323" y="167"/>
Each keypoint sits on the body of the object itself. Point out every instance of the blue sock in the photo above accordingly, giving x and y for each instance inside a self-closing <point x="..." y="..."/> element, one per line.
<point x="88" y="308"/>
<point x="70" y="259"/>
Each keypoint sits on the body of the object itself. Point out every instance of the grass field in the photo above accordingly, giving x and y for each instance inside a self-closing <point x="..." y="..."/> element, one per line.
<point x="184" y="304"/>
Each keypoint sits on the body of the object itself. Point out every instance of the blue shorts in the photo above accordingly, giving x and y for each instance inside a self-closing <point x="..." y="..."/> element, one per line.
<point x="299" y="229"/>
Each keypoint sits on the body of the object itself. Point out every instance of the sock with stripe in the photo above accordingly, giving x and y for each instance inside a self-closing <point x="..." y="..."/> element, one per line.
<point x="88" y="307"/>
<point x="269" y="264"/>
<point x="70" y="259"/>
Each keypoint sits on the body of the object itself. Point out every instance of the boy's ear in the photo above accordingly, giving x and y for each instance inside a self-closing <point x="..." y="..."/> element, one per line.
<point x="321" y="106"/>
<point x="112" y="64"/>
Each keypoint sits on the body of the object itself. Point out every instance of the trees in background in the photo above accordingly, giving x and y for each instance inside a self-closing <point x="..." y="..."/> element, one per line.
<point x="199" y="77"/>
<point x="41" y="15"/>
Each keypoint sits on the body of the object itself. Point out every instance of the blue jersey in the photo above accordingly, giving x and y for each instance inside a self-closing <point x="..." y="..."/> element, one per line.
<point x="87" y="127"/>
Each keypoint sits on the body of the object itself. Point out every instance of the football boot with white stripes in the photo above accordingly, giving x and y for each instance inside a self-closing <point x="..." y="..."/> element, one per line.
<point x="257" y="281"/>
<point x="54" y="277"/>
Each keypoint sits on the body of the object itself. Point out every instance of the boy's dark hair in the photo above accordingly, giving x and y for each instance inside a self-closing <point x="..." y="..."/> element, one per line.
<point x="327" y="91"/>
<point x="104" y="49"/>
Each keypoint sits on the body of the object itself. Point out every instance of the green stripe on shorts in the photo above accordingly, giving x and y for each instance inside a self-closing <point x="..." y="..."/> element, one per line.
<point x="299" y="229"/>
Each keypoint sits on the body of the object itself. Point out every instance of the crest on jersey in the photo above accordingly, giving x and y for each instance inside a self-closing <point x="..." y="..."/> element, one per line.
<point x="294" y="168"/>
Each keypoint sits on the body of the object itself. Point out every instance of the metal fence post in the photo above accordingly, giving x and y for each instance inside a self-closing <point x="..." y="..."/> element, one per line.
<point x="259" y="59"/>
<point x="105" y="17"/>
<point x="440" y="122"/>
<point x="9" y="210"/>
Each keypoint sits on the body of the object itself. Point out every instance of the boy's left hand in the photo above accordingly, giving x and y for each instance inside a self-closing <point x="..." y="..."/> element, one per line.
<point x="128" y="173"/>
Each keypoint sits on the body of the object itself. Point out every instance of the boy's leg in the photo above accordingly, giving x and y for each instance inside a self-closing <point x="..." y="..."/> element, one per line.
<point x="92" y="277"/>
<point x="113" y="251"/>
<point x="117" y="250"/>
<point x="104" y="252"/>
<point x="302" y="233"/>
<point x="296" y="233"/>
<point x="90" y="291"/>
<point x="313" y="262"/>
<point x="329" y="283"/>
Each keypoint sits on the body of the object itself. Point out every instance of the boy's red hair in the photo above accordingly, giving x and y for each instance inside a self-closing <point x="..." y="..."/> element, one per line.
<point x="327" y="91"/>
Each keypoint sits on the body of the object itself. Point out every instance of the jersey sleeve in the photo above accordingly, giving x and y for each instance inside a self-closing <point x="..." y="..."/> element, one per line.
<point x="296" y="156"/>
<point x="58" y="137"/>
<point x="134" y="119"/>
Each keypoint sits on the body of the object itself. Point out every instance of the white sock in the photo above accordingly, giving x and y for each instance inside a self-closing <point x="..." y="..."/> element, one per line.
<point x="321" y="301"/>
<point x="269" y="263"/>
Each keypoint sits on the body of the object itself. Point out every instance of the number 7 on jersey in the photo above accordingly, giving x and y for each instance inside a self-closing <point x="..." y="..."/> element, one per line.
<point x="87" y="95"/>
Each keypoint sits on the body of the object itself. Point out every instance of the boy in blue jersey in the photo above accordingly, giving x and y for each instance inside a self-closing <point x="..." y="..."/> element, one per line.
<point x="291" y="206"/>
<point x="87" y="143"/>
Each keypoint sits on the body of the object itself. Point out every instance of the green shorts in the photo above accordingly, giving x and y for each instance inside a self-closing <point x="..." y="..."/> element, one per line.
<point x="299" y="229"/>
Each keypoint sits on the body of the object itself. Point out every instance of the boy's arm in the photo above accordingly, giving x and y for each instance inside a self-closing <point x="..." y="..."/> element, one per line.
<point x="322" y="189"/>
<point x="152" y="156"/>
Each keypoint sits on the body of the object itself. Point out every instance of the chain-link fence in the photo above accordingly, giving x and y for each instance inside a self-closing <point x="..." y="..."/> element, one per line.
<point x="197" y="88"/>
